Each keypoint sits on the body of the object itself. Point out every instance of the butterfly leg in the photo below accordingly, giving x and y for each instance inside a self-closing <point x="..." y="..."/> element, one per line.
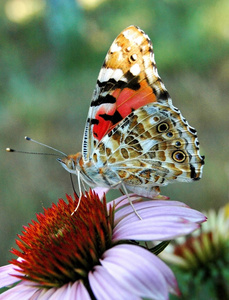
<point x="84" y="187"/>
<point x="125" y="190"/>
<point x="80" y="192"/>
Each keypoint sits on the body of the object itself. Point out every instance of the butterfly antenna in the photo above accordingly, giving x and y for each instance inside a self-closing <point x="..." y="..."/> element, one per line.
<point x="34" y="141"/>
<point x="39" y="153"/>
<point x="125" y="190"/>
<point x="26" y="152"/>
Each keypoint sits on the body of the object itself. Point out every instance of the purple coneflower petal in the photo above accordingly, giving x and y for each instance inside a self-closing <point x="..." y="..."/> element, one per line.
<point x="123" y="200"/>
<point x="54" y="293"/>
<point x="100" y="191"/>
<point x="139" y="271"/>
<point x="105" y="286"/>
<point x="20" y="291"/>
<point x="5" y="273"/>
<point x="24" y="290"/>
<point x="151" y="208"/>
<point x="78" y="291"/>
<point x="160" y="228"/>
<point x="69" y="291"/>
<point x="156" y="224"/>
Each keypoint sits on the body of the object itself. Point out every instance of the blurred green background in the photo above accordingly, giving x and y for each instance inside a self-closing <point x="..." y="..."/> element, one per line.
<point x="50" y="55"/>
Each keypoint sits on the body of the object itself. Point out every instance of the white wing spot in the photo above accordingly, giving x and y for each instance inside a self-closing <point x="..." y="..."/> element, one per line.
<point x="105" y="74"/>
<point x="135" y="69"/>
<point x="115" y="48"/>
<point x="144" y="48"/>
<point x="108" y="73"/>
<point x="117" y="75"/>
<point x="134" y="57"/>
<point x="139" y="40"/>
<point x="146" y="60"/>
<point x="128" y="34"/>
<point x="163" y="86"/>
<point x="155" y="71"/>
<point x="150" y="75"/>
<point x="152" y="57"/>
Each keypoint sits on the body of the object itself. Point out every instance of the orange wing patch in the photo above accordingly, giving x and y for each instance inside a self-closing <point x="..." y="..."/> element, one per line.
<point x="127" y="100"/>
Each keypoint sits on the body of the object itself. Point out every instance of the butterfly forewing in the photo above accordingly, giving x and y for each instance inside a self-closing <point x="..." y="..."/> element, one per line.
<point x="128" y="80"/>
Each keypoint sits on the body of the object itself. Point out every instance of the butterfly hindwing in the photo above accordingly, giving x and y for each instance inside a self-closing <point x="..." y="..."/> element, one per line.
<point x="153" y="146"/>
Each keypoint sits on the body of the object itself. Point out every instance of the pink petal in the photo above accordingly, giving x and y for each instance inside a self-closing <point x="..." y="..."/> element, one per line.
<point x="5" y="275"/>
<point x="158" y="229"/>
<point x="20" y="291"/>
<point x="105" y="286"/>
<point x="55" y="293"/>
<point x="153" y="208"/>
<point x="123" y="200"/>
<point x="67" y="291"/>
<point x="81" y="291"/>
<point x="100" y="191"/>
<point x="161" y="220"/>
<point x="43" y="294"/>
<point x="139" y="271"/>
<point x="25" y="291"/>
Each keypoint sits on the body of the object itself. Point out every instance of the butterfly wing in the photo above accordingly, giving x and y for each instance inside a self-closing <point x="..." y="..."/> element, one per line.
<point x="128" y="80"/>
<point x="134" y="135"/>
<point x="152" y="146"/>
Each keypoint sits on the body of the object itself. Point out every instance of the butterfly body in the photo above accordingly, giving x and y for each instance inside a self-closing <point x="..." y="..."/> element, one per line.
<point x="134" y="136"/>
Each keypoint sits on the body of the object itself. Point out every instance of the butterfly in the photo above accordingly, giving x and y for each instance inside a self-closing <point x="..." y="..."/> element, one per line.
<point x="134" y="137"/>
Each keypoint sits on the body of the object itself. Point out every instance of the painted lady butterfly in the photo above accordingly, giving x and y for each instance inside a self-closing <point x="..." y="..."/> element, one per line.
<point x="134" y="137"/>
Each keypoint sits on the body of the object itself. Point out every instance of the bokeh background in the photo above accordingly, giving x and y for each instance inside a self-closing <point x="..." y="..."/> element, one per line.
<point x="50" y="55"/>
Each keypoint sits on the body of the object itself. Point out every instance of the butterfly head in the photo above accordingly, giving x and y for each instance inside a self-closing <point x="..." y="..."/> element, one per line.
<point x="71" y="162"/>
